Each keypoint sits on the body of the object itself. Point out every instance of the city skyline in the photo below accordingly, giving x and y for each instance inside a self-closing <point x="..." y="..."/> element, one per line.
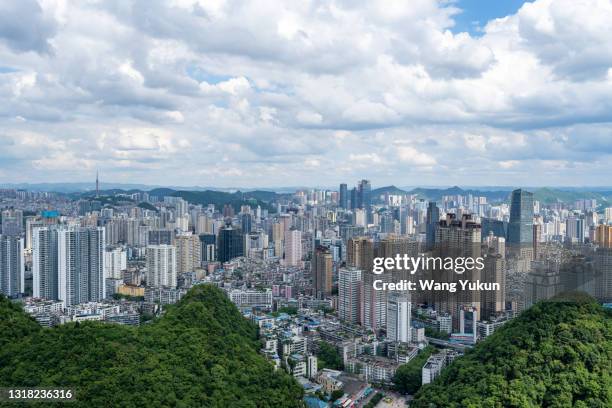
<point x="446" y="93"/>
<point x="87" y="186"/>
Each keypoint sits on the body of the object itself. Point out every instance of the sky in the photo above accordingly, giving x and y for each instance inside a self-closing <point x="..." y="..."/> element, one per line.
<point x="264" y="93"/>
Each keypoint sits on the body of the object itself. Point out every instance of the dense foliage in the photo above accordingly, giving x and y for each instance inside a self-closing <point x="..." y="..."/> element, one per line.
<point x="436" y="334"/>
<point x="407" y="379"/>
<point x="556" y="354"/>
<point x="375" y="400"/>
<point x="201" y="353"/>
<point x="236" y="199"/>
<point x="328" y="357"/>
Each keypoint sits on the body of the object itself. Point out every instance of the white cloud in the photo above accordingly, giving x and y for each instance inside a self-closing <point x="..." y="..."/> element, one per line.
<point x="412" y="156"/>
<point x="309" y="118"/>
<point x="381" y="89"/>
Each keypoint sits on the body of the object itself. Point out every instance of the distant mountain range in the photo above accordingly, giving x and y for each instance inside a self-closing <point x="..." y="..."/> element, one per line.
<point x="68" y="188"/>
<point x="544" y="194"/>
<point x="238" y="196"/>
<point x="236" y="199"/>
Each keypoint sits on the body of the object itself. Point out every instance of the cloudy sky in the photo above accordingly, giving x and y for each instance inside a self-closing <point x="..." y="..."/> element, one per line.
<point x="269" y="93"/>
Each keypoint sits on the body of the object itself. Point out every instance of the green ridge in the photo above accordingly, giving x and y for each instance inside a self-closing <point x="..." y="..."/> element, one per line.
<point x="201" y="353"/>
<point x="556" y="354"/>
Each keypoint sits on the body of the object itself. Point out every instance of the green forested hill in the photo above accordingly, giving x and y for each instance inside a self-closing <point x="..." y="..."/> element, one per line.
<point x="556" y="354"/>
<point x="201" y="353"/>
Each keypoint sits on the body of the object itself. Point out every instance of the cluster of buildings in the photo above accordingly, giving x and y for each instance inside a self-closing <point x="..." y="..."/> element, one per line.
<point x="301" y="266"/>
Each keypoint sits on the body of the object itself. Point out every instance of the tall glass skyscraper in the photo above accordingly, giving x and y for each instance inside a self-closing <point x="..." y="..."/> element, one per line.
<point x="230" y="243"/>
<point x="364" y="198"/>
<point x="343" y="199"/>
<point x="433" y="217"/>
<point x="12" y="270"/>
<point x="520" y="228"/>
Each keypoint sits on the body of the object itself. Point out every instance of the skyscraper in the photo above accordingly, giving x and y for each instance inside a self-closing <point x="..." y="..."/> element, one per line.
<point x="364" y="198"/>
<point x="603" y="236"/>
<point x="398" y="317"/>
<point x="246" y="222"/>
<point x="208" y="245"/>
<point x="161" y="266"/>
<point x="456" y="239"/>
<point x="115" y="261"/>
<point x="188" y="253"/>
<point x="230" y="243"/>
<point x="493" y="302"/>
<point x="160" y="237"/>
<point x="360" y="253"/>
<point x="322" y="271"/>
<point x="520" y="227"/>
<point x="31" y="223"/>
<point x="350" y="294"/>
<point x="354" y="201"/>
<point x="68" y="264"/>
<point x="12" y="222"/>
<point x="433" y="217"/>
<point x="44" y="263"/>
<point x="293" y="247"/>
<point x="12" y="270"/>
<point x="343" y="199"/>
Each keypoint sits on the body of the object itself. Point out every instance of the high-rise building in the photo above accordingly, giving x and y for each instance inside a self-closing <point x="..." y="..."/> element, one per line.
<point x="343" y="200"/>
<point x="520" y="227"/>
<point x="398" y="317"/>
<point x="543" y="280"/>
<point x="322" y="264"/>
<point x="293" y="247"/>
<point x="68" y="264"/>
<point x="603" y="236"/>
<point x="608" y="215"/>
<point x="44" y="263"/>
<point x="12" y="222"/>
<point x="574" y="229"/>
<point x="493" y="302"/>
<point x="12" y="269"/>
<point x="360" y="253"/>
<point x="246" y="223"/>
<point x="498" y="228"/>
<point x="188" y="253"/>
<point x="230" y="243"/>
<point x="208" y="243"/>
<point x="115" y="262"/>
<point x="603" y="265"/>
<point x="350" y="294"/>
<point x="161" y="266"/>
<point x="354" y="199"/>
<point x="433" y="217"/>
<point x="160" y="237"/>
<point x="537" y="237"/>
<point x="394" y="245"/>
<point x="364" y="198"/>
<point x="31" y="223"/>
<point x="278" y="236"/>
<point x="456" y="239"/>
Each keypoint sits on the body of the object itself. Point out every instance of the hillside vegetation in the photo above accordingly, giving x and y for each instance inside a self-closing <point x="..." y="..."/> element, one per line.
<point x="201" y="353"/>
<point x="556" y="354"/>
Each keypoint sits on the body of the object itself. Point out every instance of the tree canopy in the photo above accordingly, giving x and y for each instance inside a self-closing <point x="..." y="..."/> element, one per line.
<point x="558" y="353"/>
<point x="328" y="357"/>
<point x="407" y="378"/>
<point x="202" y="353"/>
